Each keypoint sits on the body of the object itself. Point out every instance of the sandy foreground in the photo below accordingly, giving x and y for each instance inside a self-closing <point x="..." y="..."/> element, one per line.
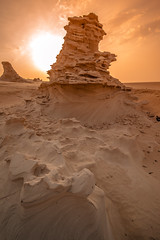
<point x="86" y="172"/>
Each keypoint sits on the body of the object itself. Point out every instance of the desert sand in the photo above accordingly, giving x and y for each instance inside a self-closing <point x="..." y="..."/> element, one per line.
<point x="80" y="156"/>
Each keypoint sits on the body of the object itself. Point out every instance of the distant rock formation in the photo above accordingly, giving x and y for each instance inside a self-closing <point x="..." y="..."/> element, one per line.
<point x="37" y="80"/>
<point x="10" y="74"/>
<point x="80" y="61"/>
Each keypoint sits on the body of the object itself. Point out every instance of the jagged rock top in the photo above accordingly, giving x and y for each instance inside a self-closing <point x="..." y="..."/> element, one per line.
<point x="80" y="61"/>
<point x="10" y="74"/>
<point x="86" y="31"/>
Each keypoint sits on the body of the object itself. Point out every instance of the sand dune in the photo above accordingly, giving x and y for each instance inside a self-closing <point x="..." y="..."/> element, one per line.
<point x="148" y="95"/>
<point x="16" y="93"/>
<point x="43" y="162"/>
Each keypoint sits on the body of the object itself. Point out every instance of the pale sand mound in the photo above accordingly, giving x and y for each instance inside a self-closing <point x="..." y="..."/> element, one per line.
<point x="150" y="99"/>
<point x="60" y="179"/>
<point x="91" y="104"/>
<point x="12" y="93"/>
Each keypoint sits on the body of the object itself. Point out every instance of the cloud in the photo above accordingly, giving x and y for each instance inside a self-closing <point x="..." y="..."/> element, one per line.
<point x="136" y="22"/>
<point x="66" y="8"/>
<point x="124" y="17"/>
<point x="141" y="32"/>
<point x="152" y="27"/>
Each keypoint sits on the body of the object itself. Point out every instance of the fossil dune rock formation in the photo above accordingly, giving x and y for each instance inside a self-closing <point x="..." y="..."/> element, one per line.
<point x="80" y="83"/>
<point x="10" y="74"/>
<point x="80" y="61"/>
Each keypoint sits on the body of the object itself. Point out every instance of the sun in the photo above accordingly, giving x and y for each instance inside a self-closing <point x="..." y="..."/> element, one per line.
<point x="44" y="49"/>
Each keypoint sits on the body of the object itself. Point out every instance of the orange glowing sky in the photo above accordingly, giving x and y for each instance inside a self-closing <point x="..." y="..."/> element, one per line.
<point x="132" y="27"/>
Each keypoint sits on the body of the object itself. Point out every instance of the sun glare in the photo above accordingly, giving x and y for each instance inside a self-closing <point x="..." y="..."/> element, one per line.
<point x="44" y="49"/>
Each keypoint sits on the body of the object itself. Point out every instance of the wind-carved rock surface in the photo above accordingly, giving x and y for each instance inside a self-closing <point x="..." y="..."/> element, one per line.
<point x="80" y="61"/>
<point x="80" y="84"/>
<point x="10" y="74"/>
<point x="44" y="195"/>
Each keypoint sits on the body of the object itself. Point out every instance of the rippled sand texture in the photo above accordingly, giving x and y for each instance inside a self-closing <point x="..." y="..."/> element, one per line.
<point x="77" y="175"/>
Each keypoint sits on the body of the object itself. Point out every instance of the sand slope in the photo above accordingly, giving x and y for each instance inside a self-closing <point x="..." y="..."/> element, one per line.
<point x="86" y="173"/>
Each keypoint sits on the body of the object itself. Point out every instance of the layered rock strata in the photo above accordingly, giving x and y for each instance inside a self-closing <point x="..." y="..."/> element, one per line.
<point x="80" y="61"/>
<point x="10" y="74"/>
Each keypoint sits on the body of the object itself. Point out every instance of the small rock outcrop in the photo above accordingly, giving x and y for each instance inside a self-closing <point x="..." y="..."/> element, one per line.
<point x="80" y="61"/>
<point x="10" y="74"/>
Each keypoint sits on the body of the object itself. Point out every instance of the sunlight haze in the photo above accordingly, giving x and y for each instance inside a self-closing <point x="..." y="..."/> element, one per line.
<point x="44" y="49"/>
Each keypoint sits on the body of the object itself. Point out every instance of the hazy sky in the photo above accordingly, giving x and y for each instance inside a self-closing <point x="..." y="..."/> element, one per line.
<point x="132" y="27"/>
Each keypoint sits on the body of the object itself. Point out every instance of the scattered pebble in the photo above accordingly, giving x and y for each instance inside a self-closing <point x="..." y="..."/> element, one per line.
<point x="151" y="115"/>
<point x="142" y="131"/>
<point x="1" y="112"/>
